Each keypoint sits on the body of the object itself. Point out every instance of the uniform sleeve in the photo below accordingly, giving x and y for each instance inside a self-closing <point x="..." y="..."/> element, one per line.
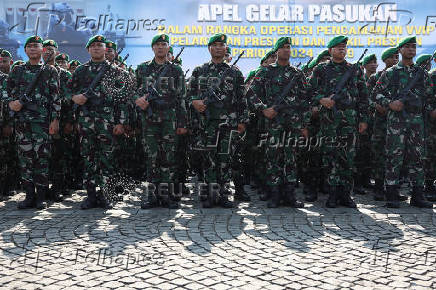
<point x="362" y="98"/>
<point x="381" y="93"/>
<point x="181" y="112"/>
<point x="75" y="86"/>
<point x="315" y="85"/>
<point x="242" y="109"/>
<point x="256" y="93"/>
<point x="12" y="87"/>
<point x="193" y="92"/>
<point x="140" y="82"/>
<point x="67" y="108"/>
<point x="53" y="85"/>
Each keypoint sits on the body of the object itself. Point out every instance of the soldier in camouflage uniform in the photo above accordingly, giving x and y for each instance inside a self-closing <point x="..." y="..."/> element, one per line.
<point x="405" y="123"/>
<point x="378" y="136"/>
<point x="34" y="127"/>
<point x="283" y="113"/>
<point x="98" y="123"/>
<point x="62" y="61"/>
<point x="59" y="162"/>
<point x="221" y="120"/>
<point x="339" y="120"/>
<point x="168" y="118"/>
<point x="309" y="157"/>
<point x="362" y="163"/>
<point x="72" y="66"/>
<point x="430" y="160"/>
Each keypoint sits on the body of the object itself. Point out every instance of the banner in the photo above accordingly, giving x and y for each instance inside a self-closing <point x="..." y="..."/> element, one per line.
<point x="251" y="26"/>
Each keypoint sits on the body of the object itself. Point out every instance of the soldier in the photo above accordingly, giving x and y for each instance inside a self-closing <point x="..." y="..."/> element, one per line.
<point x="363" y="149"/>
<point x="5" y="61"/>
<point x="59" y="161"/>
<point x="283" y="112"/>
<point x="111" y="50"/>
<point x="219" y="119"/>
<point x="62" y="61"/>
<point x="405" y="123"/>
<point x="339" y="119"/>
<point x="98" y="123"/>
<point x="167" y="118"/>
<point x="38" y="119"/>
<point x="5" y="133"/>
<point x="378" y="136"/>
<point x="430" y="160"/>
<point x="309" y="157"/>
<point x="73" y="65"/>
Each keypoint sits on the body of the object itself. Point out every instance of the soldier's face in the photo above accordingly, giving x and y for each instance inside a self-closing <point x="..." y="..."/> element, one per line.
<point x="339" y="51"/>
<point x="371" y="66"/>
<point x="160" y="49"/>
<point x="408" y="50"/>
<point x="284" y="53"/>
<point x="393" y="60"/>
<point x="5" y="64"/>
<point x="33" y="50"/>
<point x="47" y="52"/>
<point x="72" y="68"/>
<point x="218" y="49"/>
<point x="110" y="54"/>
<point x="97" y="50"/>
<point x="63" y="64"/>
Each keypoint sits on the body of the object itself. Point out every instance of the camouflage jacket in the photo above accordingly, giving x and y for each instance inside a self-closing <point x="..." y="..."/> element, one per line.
<point x="170" y="87"/>
<point x="232" y="109"/>
<point x="323" y="80"/>
<point x="267" y="87"/>
<point x="397" y="78"/>
<point x="110" y="90"/>
<point x="45" y="95"/>
<point x="65" y="94"/>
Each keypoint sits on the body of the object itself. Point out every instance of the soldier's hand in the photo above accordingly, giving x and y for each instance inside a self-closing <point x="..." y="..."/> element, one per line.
<point x="68" y="128"/>
<point x="305" y="133"/>
<point x="142" y="103"/>
<point x="15" y="106"/>
<point x="7" y="131"/>
<point x="199" y="105"/>
<point x="433" y="114"/>
<point x="270" y="113"/>
<point x="181" y="131"/>
<point x="241" y="128"/>
<point x="327" y="102"/>
<point x="380" y="109"/>
<point x="118" y="130"/>
<point x="362" y="127"/>
<point x="79" y="99"/>
<point x="54" y="127"/>
<point x="396" y="106"/>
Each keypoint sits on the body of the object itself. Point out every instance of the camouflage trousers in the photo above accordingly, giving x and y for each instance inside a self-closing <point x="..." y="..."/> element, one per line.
<point x="160" y="148"/>
<point x="4" y="158"/>
<point x="430" y="160"/>
<point x="182" y="160"/>
<point x="378" y="155"/>
<point x="124" y="154"/>
<point x="34" y="152"/>
<point x="404" y="140"/>
<point x="280" y="155"/>
<point x="217" y="148"/>
<point x="96" y="149"/>
<point x="337" y="145"/>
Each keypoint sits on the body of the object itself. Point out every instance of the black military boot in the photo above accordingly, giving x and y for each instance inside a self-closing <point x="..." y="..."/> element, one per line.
<point x="289" y="198"/>
<point x="91" y="200"/>
<point x="392" y="194"/>
<point x="275" y="197"/>
<point x="418" y="198"/>
<point x="224" y="197"/>
<point x="207" y="196"/>
<point x="332" y="200"/>
<point x="29" y="201"/>
<point x="310" y="192"/>
<point x="430" y="190"/>
<point x="41" y="192"/>
<point x="345" y="197"/>
<point x="379" y="192"/>
<point x="240" y="193"/>
<point x="151" y="200"/>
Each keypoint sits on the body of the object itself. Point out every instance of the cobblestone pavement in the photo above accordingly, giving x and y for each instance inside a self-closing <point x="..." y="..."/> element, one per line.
<point x="249" y="246"/>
